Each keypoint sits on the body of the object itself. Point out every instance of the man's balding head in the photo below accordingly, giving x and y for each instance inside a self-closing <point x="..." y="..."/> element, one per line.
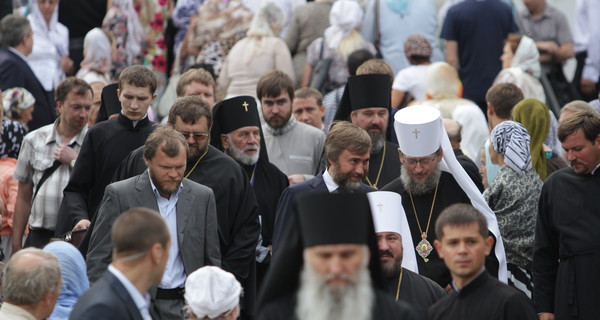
<point x="453" y="129"/>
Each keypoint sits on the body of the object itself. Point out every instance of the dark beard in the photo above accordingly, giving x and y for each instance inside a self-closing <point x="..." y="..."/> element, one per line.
<point x="377" y="141"/>
<point x="420" y="188"/>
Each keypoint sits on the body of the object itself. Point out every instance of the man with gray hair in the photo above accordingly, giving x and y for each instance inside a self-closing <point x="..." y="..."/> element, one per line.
<point x="31" y="285"/>
<point x="17" y="43"/>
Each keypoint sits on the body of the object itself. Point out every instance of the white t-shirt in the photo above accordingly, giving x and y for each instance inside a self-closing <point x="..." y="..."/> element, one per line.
<point x="412" y="80"/>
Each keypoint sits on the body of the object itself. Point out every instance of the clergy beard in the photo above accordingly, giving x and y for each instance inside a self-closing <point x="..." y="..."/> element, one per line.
<point x="420" y="188"/>
<point x="239" y="153"/>
<point x="195" y="153"/>
<point x="343" y="179"/>
<point x="390" y="270"/>
<point x="377" y="139"/>
<point x="318" y="301"/>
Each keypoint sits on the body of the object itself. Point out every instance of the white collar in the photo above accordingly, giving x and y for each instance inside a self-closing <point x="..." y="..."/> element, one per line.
<point x="328" y="179"/>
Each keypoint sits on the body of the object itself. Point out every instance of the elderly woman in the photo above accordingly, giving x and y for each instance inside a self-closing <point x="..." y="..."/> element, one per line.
<point x="98" y="53"/>
<point x="535" y="117"/>
<point x="513" y="196"/>
<point x="18" y="105"/>
<point x="259" y="52"/>
<point x="340" y="39"/>
<point x="74" y="276"/>
<point x="212" y="293"/>
<point x="49" y="59"/>
<point x="521" y="66"/>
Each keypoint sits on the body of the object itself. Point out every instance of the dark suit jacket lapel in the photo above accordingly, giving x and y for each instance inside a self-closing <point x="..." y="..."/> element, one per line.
<point x="121" y="292"/>
<point x="318" y="184"/>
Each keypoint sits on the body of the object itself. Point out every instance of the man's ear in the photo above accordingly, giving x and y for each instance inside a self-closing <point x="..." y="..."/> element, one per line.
<point x="224" y="141"/>
<point x="490" y="109"/>
<point x="156" y="253"/>
<point x="489" y="242"/>
<point x="438" y="247"/>
<point x="146" y="162"/>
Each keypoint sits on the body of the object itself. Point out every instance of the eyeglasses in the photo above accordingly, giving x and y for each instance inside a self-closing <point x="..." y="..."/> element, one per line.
<point x="201" y="135"/>
<point x="422" y="161"/>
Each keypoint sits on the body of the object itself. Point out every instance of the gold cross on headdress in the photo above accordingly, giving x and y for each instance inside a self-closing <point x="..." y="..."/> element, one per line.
<point x="416" y="132"/>
<point x="245" y="105"/>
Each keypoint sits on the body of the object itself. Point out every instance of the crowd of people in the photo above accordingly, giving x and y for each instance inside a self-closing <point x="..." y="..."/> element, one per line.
<point x="284" y="159"/>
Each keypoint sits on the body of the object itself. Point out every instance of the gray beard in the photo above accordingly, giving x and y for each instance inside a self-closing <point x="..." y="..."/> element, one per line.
<point x="238" y="154"/>
<point x="316" y="301"/>
<point x="377" y="141"/>
<point x="420" y="188"/>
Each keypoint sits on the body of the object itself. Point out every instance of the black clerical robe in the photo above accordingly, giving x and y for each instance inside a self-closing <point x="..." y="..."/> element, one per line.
<point x="104" y="148"/>
<point x="470" y="168"/>
<point x="384" y="308"/>
<point x="418" y="291"/>
<point x="484" y="298"/>
<point x="566" y="254"/>
<point x="449" y="192"/>
<point x="387" y="163"/>
<point x="237" y="212"/>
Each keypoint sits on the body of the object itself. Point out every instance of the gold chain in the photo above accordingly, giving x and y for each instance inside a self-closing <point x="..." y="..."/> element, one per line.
<point x="430" y="211"/>
<point x="252" y="177"/>
<point x="380" y="168"/>
<point x="399" y="282"/>
<point x="197" y="161"/>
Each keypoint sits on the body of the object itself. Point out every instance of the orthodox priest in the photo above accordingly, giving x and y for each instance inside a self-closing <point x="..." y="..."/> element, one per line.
<point x="431" y="180"/>
<point x="402" y="281"/>
<point x="330" y="269"/>
<point x="236" y="130"/>
<point x="366" y="102"/>
<point x="237" y="212"/>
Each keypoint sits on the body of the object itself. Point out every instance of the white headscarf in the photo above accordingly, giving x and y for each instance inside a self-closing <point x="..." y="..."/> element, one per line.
<point x="210" y="292"/>
<point x="511" y="139"/>
<point x="268" y="16"/>
<point x="526" y="57"/>
<point x="51" y="29"/>
<point x="97" y="51"/>
<point x="344" y="17"/>
<point x="135" y="31"/>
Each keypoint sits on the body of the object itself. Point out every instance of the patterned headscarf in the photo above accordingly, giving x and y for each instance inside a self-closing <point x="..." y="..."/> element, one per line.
<point x="16" y="99"/>
<point x="511" y="139"/>
<point x="535" y="117"/>
<point x="417" y="45"/>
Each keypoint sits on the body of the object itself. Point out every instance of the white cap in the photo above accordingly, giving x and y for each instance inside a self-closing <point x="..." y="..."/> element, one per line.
<point x="418" y="129"/>
<point x="210" y="292"/>
<point x="389" y="216"/>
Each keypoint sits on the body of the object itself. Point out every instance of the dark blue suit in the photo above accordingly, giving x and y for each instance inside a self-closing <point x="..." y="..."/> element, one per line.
<point x="285" y="207"/>
<point x="107" y="299"/>
<point x="15" y="72"/>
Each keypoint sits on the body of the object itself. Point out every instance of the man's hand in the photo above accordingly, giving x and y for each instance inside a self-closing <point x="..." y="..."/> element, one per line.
<point x="66" y="64"/>
<point x="587" y="86"/>
<point x="65" y="154"/>
<point x="82" y="225"/>
<point x="546" y="316"/>
<point x="549" y="47"/>
<point x="295" y="178"/>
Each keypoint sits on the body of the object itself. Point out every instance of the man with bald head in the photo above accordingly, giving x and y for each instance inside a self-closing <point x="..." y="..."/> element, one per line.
<point x="454" y="129"/>
<point x="31" y="285"/>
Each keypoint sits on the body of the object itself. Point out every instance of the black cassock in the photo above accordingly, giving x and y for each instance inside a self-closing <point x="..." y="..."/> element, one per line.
<point x="566" y="256"/>
<point x="384" y="308"/>
<point x="237" y="211"/>
<point x="390" y="167"/>
<point x="105" y="146"/>
<point x="418" y="291"/>
<point x="484" y="298"/>
<point x="449" y="192"/>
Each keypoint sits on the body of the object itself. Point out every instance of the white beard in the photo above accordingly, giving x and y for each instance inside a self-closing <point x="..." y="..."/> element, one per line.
<point x="238" y="154"/>
<point x="316" y="301"/>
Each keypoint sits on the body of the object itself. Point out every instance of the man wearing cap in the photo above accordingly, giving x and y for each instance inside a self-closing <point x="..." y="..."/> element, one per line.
<point x="347" y="149"/>
<point x="294" y="147"/>
<point x="401" y="282"/>
<point x="431" y="180"/>
<point x="236" y="131"/>
<point x="366" y="102"/>
<point x="237" y="212"/>
<point x="330" y="270"/>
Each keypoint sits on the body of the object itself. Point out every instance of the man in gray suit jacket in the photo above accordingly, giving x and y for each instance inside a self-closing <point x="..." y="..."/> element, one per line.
<point x="188" y="209"/>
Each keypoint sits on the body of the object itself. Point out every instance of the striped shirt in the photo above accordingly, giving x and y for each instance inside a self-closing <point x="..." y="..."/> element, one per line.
<point x="37" y="155"/>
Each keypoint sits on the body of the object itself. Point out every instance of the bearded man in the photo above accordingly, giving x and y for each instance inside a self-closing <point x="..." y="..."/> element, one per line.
<point x="330" y="270"/>
<point x="347" y="150"/>
<point x="187" y="207"/>
<point x="431" y="179"/>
